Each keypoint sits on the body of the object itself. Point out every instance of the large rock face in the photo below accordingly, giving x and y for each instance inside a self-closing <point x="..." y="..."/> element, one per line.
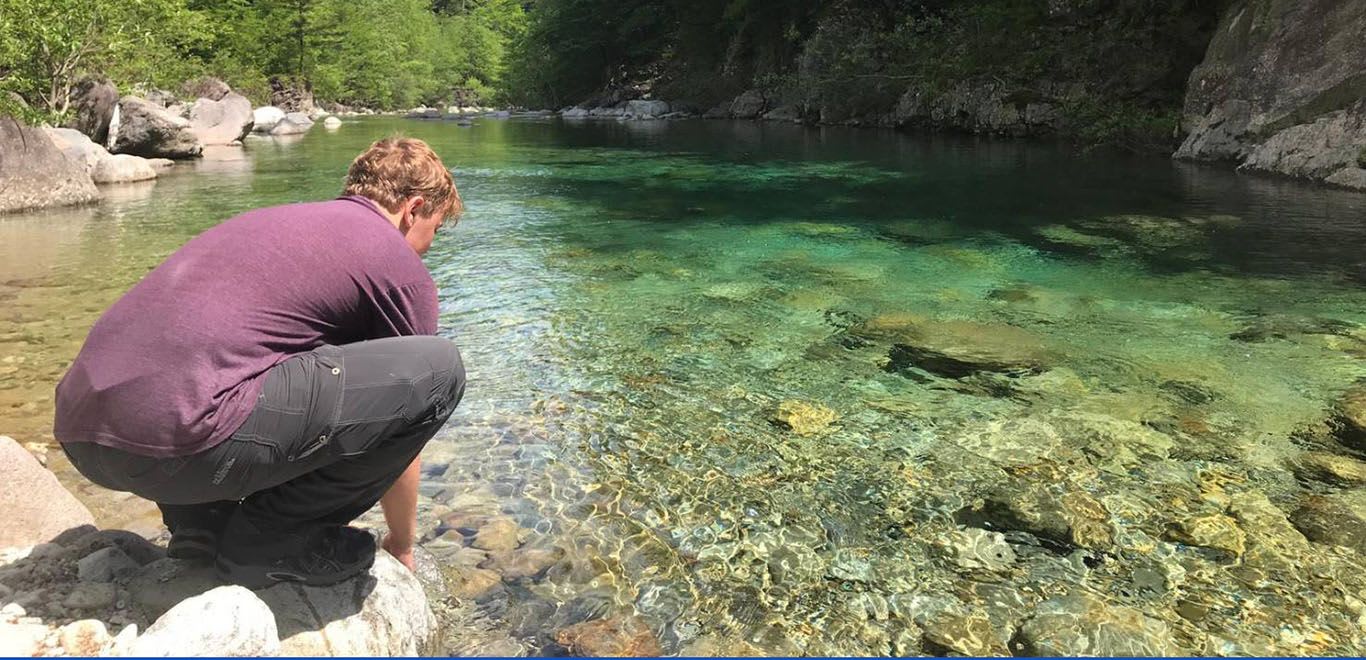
<point x="93" y="103"/>
<point x="34" y="173"/>
<point x="222" y="121"/>
<point x="141" y="128"/>
<point x="384" y="613"/>
<point x="36" y="507"/>
<point x="1281" y="90"/>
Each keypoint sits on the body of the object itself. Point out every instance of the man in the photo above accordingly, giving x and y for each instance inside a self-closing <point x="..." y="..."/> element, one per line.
<point x="277" y="376"/>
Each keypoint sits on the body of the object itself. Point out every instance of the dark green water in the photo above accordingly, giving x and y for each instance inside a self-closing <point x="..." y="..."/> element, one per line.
<point x="1020" y="373"/>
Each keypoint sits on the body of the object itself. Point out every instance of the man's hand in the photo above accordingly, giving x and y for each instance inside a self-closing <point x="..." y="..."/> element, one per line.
<point x="400" y="511"/>
<point x="404" y="554"/>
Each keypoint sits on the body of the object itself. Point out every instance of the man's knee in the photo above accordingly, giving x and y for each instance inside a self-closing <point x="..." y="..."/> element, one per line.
<point x="448" y="374"/>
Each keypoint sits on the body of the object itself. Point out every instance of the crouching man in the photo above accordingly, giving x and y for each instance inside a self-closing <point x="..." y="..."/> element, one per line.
<point x="277" y="376"/>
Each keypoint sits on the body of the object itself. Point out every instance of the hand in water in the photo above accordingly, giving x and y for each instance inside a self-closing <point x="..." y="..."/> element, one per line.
<point x="403" y="553"/>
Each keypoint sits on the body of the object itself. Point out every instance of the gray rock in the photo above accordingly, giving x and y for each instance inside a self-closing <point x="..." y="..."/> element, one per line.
<point x="143" y="129"/>
<point x="104" y="565"/>
<point x="36" y="507"/>
<point x="784" y="113"/>
<point x="222" y="121"/>
<point x="78" y="147"/>
<point x="1348" y="177"/>
<point x="1272" y="74"/>
<point x="748" y="105"/>
<point x="1085" y="625"/>
<point x="210" y="88"/>
<point x="719" y="112"/>
<point x="92" y="104"/>
<point x="641" y="108"/>
<point x="293" y="123"/>
<point x="291" y="96"/>
<point x="574" y="113"/>
<point x="227" y="621"/>
<point x="265" y="118"/>
<point x="122" y="168"/>
<point x="137" y="548"/>
<point x="383" y="612"/>
<point x="165" y="582"/>
<point x="90" y="596"/>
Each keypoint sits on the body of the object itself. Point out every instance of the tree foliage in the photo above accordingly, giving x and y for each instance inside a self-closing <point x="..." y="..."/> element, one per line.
<point x="374" y="53"/>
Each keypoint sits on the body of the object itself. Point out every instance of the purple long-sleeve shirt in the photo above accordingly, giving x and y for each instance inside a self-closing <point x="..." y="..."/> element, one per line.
<point x="176" y="365"/>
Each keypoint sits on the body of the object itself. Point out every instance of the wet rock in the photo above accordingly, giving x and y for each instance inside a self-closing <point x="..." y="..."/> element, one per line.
<point x="86" y="637"/>
<point x="227" y="621"/>
<point x="498" y="535"/>
<point x="144" y="129"/>
<point x="955" y="349"/>
<point x="1085" y="625"/>
<point x="524" y="563"/>
<point x="971" y="634"/>
<point x="90" y="596"/>
<point x="1216" y="532"/>
<point x="1054" y="513"/>
<point x="1272" y="541"/>
<point x="104" y="565"/>
<point x="853" y="565"/>
<point x="1350" y="417"/>
<point x="22" y="640"/>
<point x="474" y="583"/>
<point x="621" y="636"/>
<point x="976" y="549"/>
<point x="802" y="417"/>
<point x="713" y="646"/>
<point x="381" y="613"/>
<point x="1330" y="468"/>
<point x="1336" y="519"/>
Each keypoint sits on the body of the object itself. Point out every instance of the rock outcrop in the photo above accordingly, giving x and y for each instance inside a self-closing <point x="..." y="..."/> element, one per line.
<point x="209" y="88"/>
<point x="34" y="173"/>
<point x="93" y="103"/>
<point x="142" y="128"/>
<point x="1281" y="90"/>
<point x="223" y="121"/>
<point x="291" y="96"/>
<point x="984" y="107"/>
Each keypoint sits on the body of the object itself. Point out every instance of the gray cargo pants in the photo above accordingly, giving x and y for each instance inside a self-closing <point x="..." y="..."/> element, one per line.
<point x="331" y="432"/>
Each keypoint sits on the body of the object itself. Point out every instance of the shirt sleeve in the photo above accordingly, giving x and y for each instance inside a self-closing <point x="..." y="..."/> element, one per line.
<point x="406" y="310"/>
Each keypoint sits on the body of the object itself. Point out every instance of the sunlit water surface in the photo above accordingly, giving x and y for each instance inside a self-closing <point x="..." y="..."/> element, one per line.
<point x="763" y="387"/>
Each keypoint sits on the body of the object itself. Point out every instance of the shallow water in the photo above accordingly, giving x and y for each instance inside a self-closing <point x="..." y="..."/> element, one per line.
<point x="970" y="333"/>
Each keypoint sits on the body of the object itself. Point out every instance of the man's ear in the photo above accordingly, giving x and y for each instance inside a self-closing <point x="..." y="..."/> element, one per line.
<point x="411" y="207"/>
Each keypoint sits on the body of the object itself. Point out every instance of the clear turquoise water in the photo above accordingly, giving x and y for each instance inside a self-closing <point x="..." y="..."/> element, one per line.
<point x="636" y="300"/>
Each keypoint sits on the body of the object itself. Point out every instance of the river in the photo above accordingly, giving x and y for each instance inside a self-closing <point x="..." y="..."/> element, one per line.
<point x="776" y="389"/>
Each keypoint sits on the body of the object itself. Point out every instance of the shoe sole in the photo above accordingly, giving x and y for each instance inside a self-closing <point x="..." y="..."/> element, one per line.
<point x="196" y="551"/>
<point x="258" y="577"/>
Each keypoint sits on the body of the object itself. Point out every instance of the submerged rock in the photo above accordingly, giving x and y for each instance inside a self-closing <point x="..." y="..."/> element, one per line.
<point x="1336" y="519"/>
<point x="1085" y="625"/>
<point x="1216" y="532"/>
<point x="978" y="549"/>
<point x="1330" y="468"/>
<point x="620" y="636"/>
<point x="1055" y="513"/>
<point x="802" y="417"/>
<point x="1350" y="418"/>
<point x="972" y="635"/>
<point x="955" y="349"/>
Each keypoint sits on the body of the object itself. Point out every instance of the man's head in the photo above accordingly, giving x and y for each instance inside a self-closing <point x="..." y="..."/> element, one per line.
<point x="407" y="180"/>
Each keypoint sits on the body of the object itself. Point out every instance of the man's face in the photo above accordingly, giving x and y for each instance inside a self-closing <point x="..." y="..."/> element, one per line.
<point x="419" y="226"/>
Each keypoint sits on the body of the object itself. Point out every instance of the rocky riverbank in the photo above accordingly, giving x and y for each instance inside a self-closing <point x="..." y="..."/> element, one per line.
<point x="68" y="589"/>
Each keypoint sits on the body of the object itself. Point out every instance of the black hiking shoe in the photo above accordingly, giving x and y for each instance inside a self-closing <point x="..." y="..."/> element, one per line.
<point x="191" y="544"/>
<point x="331" y="555"/>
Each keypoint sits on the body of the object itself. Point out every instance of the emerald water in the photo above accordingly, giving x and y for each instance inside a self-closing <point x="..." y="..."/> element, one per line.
<point x="773" y="389"/>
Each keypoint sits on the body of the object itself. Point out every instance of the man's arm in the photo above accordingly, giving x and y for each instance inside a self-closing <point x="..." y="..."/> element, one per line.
<point x="400" y="512"/>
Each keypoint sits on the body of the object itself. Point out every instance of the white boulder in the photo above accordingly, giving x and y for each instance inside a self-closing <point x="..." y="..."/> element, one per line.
<point x="122" y="168"/>
<point x="265" y="118"/>
<point x="332" y="123"/>
<point x="293" y="123"/>
<point x="227" y="621"/>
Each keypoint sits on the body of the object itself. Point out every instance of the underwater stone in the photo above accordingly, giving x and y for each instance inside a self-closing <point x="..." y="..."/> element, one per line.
<point x="622" y="636"/>
<point x="1067" y="517"/>
<point x="1085" y="625"/>
<point x="971" y="634"/>
<point x="1350" y="418"/>
<point x="955" y="349"/>
<point x="1217" y="532"/>
<point x="1330" y="468"/>
<point x="803" y="418"/>
<point x="978" y="549"/>
<point x="524" y="563"/>
<point x="497" y="535"/>
<point x="1336" y="519"/>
